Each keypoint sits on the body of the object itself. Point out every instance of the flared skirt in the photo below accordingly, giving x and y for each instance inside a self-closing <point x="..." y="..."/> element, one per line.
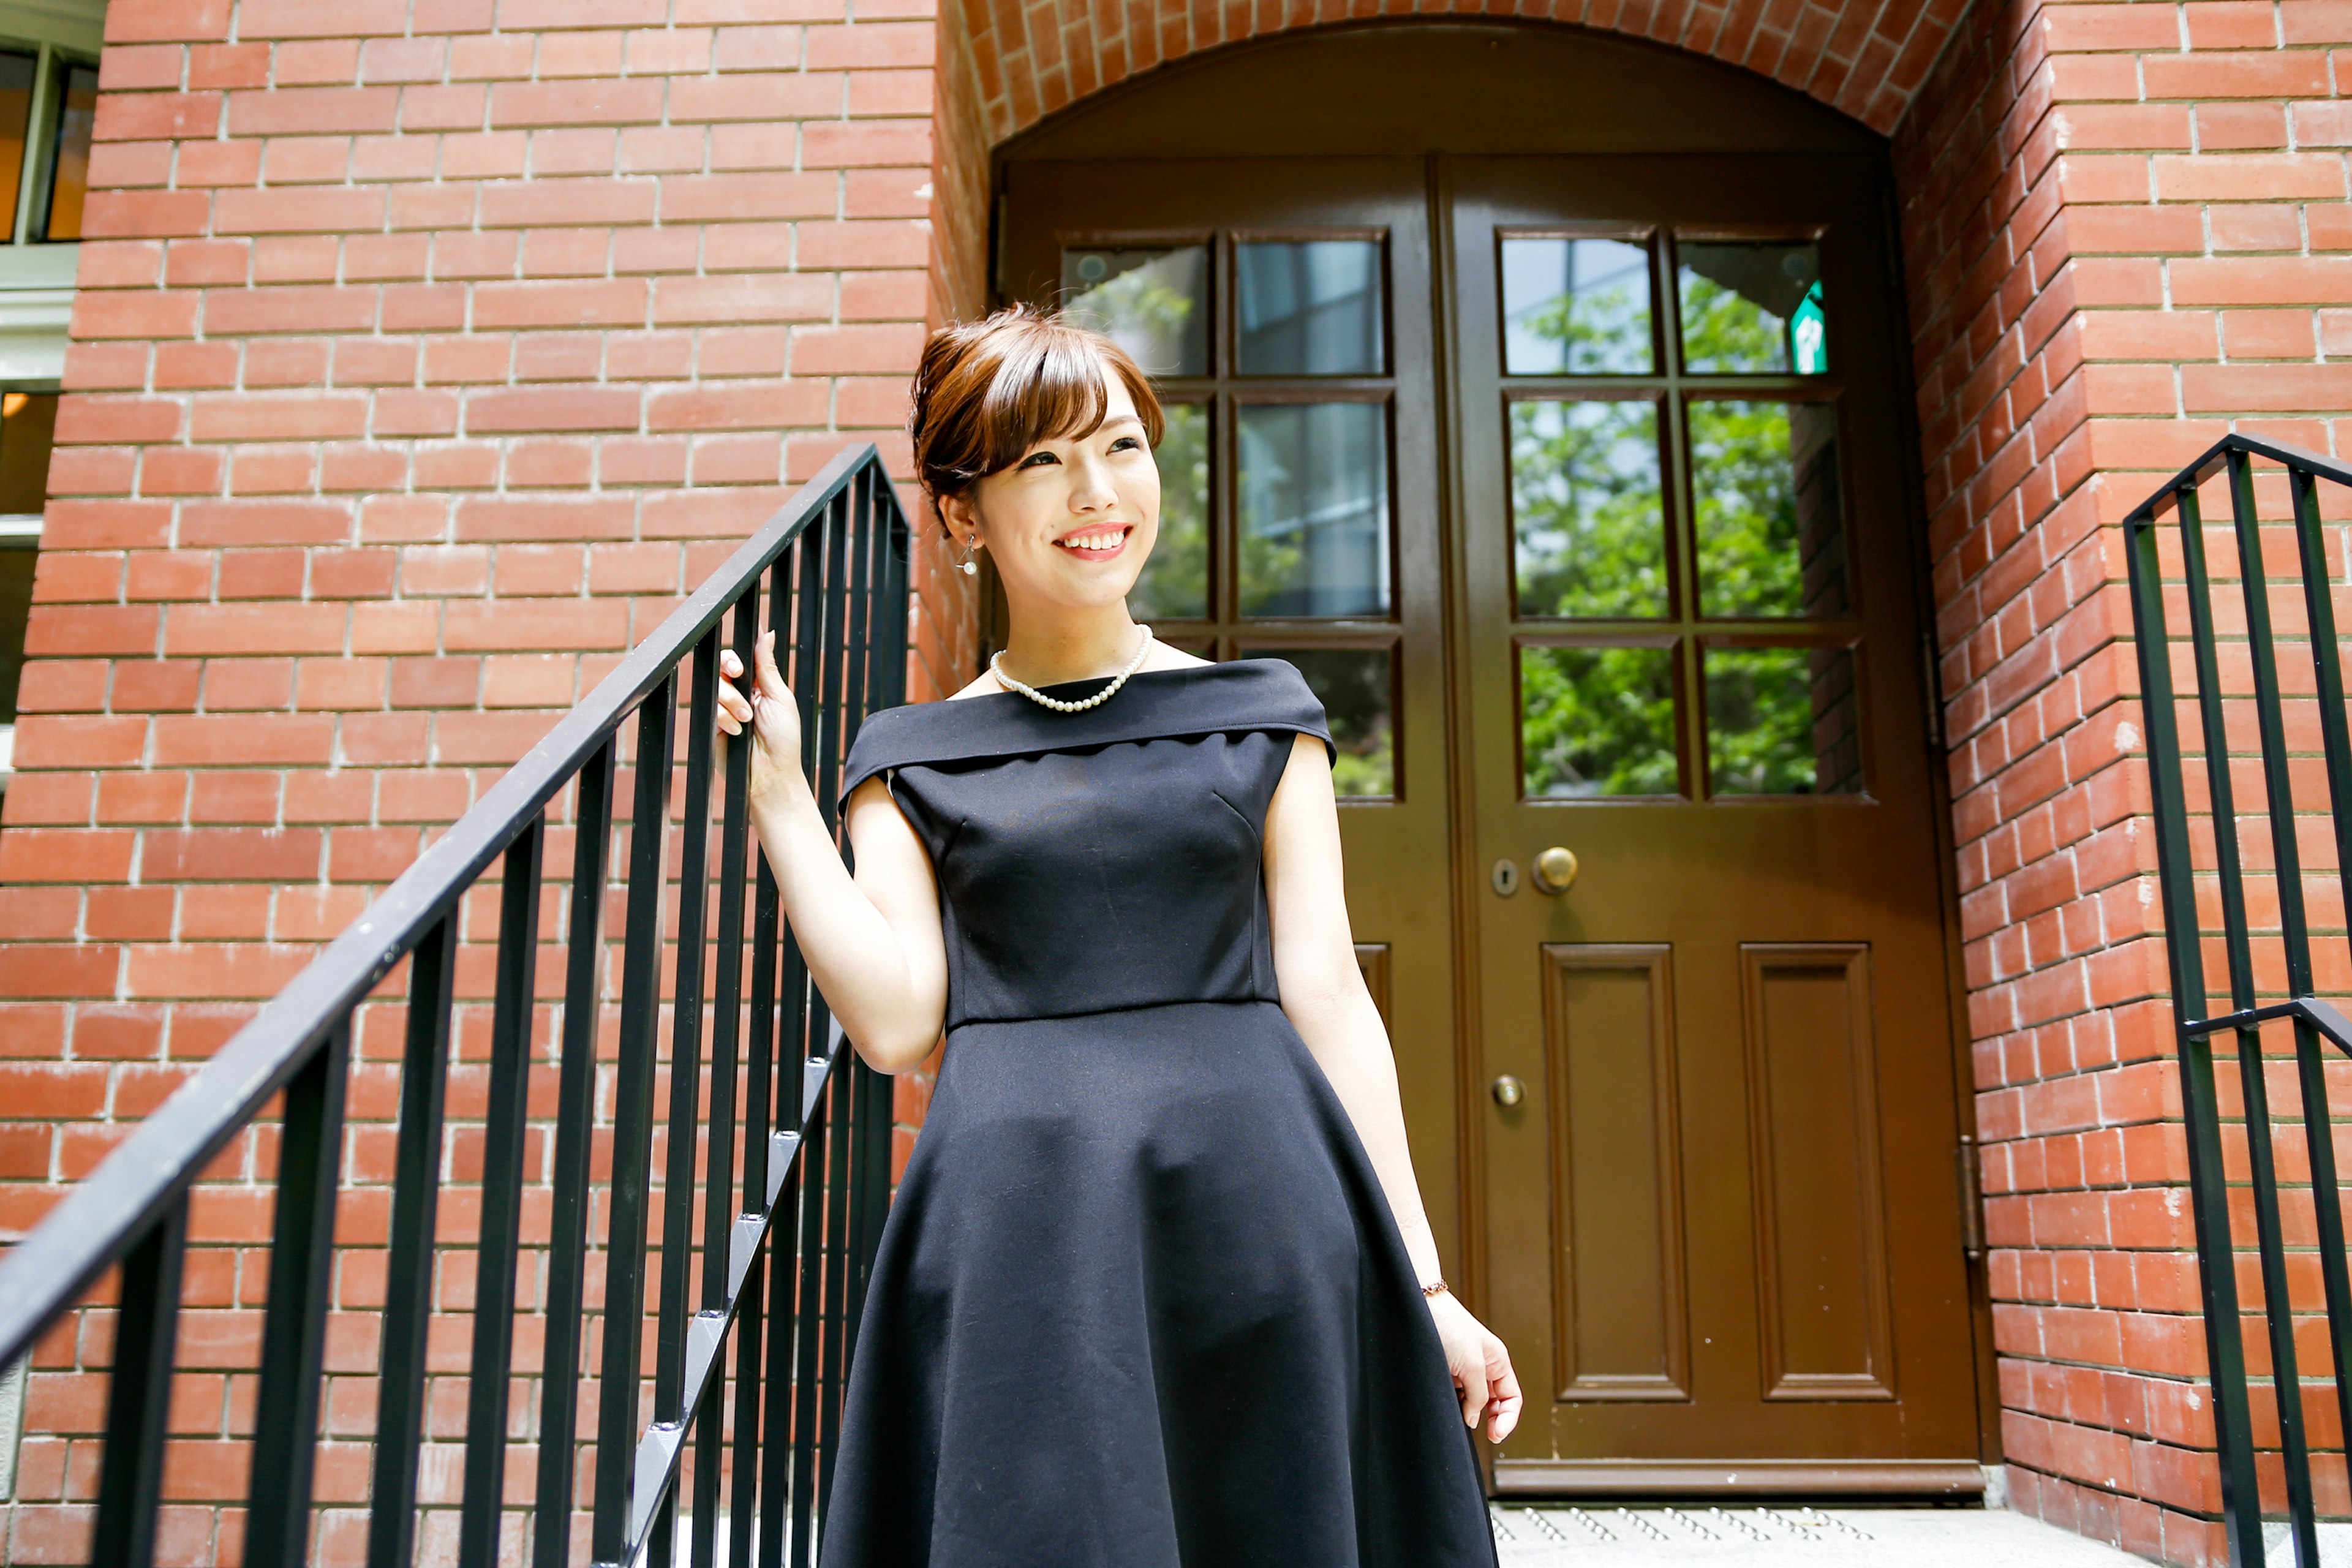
<point x="1141" y="1303"/>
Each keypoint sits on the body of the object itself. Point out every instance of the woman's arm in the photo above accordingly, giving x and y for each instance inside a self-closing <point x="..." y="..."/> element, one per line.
<point x="1324" y="996"/>
<point x="873" y="941"/>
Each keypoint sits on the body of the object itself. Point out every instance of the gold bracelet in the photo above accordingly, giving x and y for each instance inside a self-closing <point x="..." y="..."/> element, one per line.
<point x="1437" y="1289"/>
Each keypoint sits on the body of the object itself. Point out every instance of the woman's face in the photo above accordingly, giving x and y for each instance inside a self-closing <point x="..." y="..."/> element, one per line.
<point x="1071" y="522"/>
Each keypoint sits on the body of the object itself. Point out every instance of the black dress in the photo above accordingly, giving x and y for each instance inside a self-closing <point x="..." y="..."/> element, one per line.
<point x="1141" y="1301"/>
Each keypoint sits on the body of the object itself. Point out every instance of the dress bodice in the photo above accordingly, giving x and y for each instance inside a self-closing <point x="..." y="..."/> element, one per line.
<point x="1102" y="859"/>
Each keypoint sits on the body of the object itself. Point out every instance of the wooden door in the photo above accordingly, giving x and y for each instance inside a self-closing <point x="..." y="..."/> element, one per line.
<point x="1283" y="307"/>
<point x="1723" y="1223"/>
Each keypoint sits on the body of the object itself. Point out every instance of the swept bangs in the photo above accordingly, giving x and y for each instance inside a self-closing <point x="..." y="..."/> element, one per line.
<point x="988" y="391"/>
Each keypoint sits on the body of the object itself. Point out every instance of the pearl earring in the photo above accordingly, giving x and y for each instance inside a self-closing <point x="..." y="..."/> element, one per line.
<point x="967" y="565"/>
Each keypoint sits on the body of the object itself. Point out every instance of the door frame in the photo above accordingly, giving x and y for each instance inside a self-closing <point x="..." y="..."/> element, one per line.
<point x="1185" y="110"/>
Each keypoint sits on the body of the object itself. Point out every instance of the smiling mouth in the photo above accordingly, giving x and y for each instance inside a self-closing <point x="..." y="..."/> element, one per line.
<point x="1096" y="544"/>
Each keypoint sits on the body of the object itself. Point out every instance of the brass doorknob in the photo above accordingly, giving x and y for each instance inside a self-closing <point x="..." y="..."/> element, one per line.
<point x="1555" y="870"/>
<point x="1509" y="1092"/>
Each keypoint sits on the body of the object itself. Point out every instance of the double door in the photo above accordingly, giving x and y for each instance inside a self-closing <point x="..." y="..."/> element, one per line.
<point x="1576" y="487"/>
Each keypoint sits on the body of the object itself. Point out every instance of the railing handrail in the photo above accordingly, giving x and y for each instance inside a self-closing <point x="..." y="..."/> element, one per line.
<point x="2208" y="463"/>
<point x="107" y="1212"/>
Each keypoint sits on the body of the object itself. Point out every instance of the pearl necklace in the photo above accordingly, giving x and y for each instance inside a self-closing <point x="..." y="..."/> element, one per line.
<point x="996" y="667"/>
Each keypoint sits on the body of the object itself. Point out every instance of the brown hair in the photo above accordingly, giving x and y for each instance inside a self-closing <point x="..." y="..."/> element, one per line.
<point x="988" y="391"/>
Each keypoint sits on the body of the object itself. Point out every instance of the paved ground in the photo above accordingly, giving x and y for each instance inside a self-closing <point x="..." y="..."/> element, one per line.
<point x="1554" y="1536"/>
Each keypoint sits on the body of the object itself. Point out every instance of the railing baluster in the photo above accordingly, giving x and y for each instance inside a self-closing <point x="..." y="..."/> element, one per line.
<point x="2295" y="938"/>
<point x="796" y="1278"/>
<point x="2209" y="1197"/>
<point x="2209" y="1193"/>
<point x="139" y="1394"/>
<point x="576" y="1106"/>
<point x="408" y="1261"/>
<point x="808" y="1325"/>
<point x="719" y="1198"/>
<point x="2239" y="953"/>
<point x="744" y="1502"/>
<point x="625" y="1269"/>
<point x="864" y="570"/>
<point x="294" y="1324"/>
<point x="835" y="652"/>
<point x="750" y="1322"/>
<point x="505" y="1131"/>
<point x="840" y="1117"/>
<point x="686" y="1037"/>
<point x="780" y="1449"/>
<point x="2311" y="1055"/>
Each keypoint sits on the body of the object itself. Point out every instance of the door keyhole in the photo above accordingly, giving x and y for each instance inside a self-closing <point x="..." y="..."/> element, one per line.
<point x="1506" y="876"/>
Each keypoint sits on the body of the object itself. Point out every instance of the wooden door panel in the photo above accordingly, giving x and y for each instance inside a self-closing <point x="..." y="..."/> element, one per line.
<point x="1748" y="981"/>
<point x="1620" y="1317"/>
<point x="1812" y="1090"/>
<point x="1372" y="960"/>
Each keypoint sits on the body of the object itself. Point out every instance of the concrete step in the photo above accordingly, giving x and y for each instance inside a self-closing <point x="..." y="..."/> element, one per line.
<point x="1557" y="1536"/>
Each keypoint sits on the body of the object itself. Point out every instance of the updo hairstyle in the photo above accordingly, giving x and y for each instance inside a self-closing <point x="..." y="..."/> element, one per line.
<point x="989" y="391"/>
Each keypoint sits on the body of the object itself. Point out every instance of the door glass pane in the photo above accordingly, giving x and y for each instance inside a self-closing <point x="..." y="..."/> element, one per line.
<point x="1597" y="721"/>
<point x="1174" y="582"/>
<point x="1782" y="720"/>
<point x="1314" y="509"/>
<point x="1576" y="307"/>
<point x="1764" y="481"/>
<point x="1358" y="689"/>
<point x="1752" y="309"/>
<point x="76" y="114"/>
<point x="1310" y="308"/>
<point x="1154" y="303"/>
<point x="1587" y="517"/>
<point x="15" y="111"/>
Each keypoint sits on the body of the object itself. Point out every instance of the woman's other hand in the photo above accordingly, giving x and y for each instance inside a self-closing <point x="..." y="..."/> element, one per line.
<point x="772" y="712"/>
<point x="1481" y="1366"/>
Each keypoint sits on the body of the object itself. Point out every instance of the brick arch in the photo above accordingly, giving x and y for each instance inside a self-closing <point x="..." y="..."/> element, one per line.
<point x="1865" y="57"/>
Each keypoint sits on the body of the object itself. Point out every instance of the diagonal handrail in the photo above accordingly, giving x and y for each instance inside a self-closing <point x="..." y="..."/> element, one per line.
<point x="833" y="562"/>
<point x="95" y="1224"/>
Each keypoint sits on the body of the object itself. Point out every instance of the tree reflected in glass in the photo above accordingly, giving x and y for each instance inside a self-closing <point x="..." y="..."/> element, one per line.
<point x="1587" y="513"/>
<point x="1597" y="721"/>
<point x="1174" y="584"/>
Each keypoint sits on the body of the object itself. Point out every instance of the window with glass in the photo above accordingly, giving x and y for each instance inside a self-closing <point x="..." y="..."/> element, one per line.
<point x="1681" y="590"/>
<point x="1277" y="527"/>
<point x="48" y="107"/>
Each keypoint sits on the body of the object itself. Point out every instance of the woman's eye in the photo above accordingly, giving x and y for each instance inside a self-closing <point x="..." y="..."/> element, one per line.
<point x="1038" y="459"/>
<point x="1126" y="444"/>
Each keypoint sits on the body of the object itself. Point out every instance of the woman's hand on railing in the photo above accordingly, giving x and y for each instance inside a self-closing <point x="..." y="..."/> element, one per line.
<point x="773" y="714"/>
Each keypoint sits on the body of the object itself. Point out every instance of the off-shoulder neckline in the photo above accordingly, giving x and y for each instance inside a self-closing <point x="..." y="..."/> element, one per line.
<point x="963" y="730"/>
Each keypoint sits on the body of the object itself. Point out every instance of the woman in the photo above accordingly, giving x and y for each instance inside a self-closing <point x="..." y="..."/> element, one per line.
<point x="1158" y="1287"/>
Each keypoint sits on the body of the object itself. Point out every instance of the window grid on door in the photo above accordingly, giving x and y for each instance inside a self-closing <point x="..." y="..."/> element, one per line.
<point x="1683" y="616"/>
<point x="1273" y="354"/>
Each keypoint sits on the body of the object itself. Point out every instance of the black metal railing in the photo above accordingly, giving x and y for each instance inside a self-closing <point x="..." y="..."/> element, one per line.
<point x="753" y="1234"/>
<point x="2238" y="682"/>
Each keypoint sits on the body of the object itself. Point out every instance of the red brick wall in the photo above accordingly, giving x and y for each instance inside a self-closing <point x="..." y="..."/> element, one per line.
<point x="2127" y="233"/>
<point x="425" y="355"/>
<point x="1858" y="56"/>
